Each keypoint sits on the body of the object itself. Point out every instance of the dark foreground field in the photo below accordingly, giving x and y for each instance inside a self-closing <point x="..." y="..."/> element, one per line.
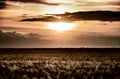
<point x="60" y="63"/>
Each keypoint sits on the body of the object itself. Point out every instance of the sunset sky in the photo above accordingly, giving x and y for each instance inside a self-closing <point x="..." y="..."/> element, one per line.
<point x="57" y="6"/>
<point x="83" y="33"/>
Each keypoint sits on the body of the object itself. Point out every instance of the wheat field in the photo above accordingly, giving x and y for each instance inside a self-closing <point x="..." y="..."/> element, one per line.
<point x="59" y="64"/>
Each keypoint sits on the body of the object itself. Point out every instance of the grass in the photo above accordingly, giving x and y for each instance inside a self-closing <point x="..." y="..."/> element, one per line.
<point x="59" y="64"/>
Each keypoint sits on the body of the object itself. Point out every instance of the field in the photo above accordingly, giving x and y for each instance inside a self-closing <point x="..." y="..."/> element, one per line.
<point x="60" y="63"/>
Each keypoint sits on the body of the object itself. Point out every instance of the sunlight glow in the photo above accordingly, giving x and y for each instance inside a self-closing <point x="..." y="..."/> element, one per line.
<point x="60" y="1"/>
<point x="60" y="26"/>
<point x="57" y="9"/>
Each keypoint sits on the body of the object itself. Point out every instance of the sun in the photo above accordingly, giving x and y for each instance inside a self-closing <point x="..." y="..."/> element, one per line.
<point x="60" y="26"/>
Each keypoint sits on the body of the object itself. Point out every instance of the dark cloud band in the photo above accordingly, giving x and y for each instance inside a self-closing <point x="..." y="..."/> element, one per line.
<point x="34" y="1"/>
<point x="14" y="39"/>
<point x="2" y="5"/>
<point x="77" y="16"/>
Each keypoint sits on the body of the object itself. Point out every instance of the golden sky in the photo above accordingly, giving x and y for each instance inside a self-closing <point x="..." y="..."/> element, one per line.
<point x="59" y="6"/>
<point x="83" y="33"/>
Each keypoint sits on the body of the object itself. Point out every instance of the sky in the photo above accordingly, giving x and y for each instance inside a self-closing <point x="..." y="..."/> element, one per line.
<point x="83" y="33"/>
<point x="58" y="6"/>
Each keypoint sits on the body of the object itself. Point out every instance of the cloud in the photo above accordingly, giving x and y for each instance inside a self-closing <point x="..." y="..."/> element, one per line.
<point x="118" y="28"/>
<point x="89" y="3"/>
<point x="113" y="3"/>
<point x="14" y="39"/>
<point x="76" y="16"/>
<point x="15" y="28"/>
<point x="34" y="1"/>
<point x="96" y="3"/>
<point x="34" y="40"/>
<point x="2" y="5"/>
<point x="97" y="40"/>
